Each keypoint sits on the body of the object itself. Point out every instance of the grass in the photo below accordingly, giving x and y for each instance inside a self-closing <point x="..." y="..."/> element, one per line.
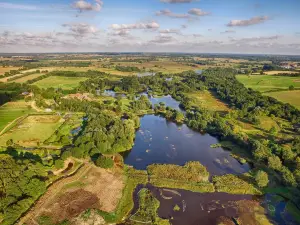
<point x="66" y="83"/>
<point x="206" y="99"/>
<point x="7" y="69"/>
<point x="190" y="172"/>
<point x="11" y="111"/>
<point x="147" y="212"/>
<point x="32" y="131"/>
<point x="133" y="178"/>
<point x="265" y="83"/>
<point x="291" y="97"/>
<point x="235" y="184"/>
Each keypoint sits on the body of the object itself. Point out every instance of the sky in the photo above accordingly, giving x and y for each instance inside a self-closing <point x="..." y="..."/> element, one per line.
<point x="192" y="26"/>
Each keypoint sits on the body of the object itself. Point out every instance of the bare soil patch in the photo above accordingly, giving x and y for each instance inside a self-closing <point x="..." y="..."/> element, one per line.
<point x="90" y="188"/>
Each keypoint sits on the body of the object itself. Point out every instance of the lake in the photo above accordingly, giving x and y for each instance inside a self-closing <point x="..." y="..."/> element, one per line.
<point x="160" y="141"/>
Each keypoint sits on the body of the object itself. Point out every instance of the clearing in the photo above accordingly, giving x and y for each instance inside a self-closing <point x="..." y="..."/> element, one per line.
<point x="32" y="130"/>
<point x="11" y="111"/>
<point x="265" y="83"/>
<point x="90" y="187"/>
<point x="67" y="83"/>
<point x="291" y="97"/>
<point x="206" y="99"/>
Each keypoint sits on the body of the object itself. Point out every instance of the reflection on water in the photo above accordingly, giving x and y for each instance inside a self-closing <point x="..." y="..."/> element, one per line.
<point x="160" y="141"/>
<point x="190" y="208"/>
<point x="112" y="93"/>
<point x="167" y="100"/>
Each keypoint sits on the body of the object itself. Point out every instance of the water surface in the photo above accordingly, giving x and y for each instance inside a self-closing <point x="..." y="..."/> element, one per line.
<point x="160" y="141"/>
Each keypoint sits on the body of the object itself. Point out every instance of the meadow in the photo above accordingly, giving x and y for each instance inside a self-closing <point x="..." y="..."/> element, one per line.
<point x="265" y="83"/>
<point x="291" y="97"/>
<point x="32" y="130"/>
<point x="206" y="99"/>
<point x="67" y="83"/>
<point x="11" y="111"/>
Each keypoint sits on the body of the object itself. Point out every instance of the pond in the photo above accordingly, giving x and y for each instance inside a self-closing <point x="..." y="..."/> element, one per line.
<point x="168" y="100"/>
<point x="160" y="141"/>
<point x="209" y="208"/>
<point x="145" y="74"/>
<point x="112" y="93"/>
<point x="198" y="71"/>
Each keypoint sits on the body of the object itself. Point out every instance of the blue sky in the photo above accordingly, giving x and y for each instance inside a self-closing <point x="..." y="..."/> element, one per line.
<point x="214" y="26"/>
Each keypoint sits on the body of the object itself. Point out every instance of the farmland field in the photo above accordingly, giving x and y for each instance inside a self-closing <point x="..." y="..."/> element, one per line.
<point x="66" y="83"/>
<point x="277" y="72"/>
<point x="11" y="111"/>
<point x="32" y="130"/>
<point x="264" y="83"/>
<point x="292" y="97"/>
<point x="7" y="69"/>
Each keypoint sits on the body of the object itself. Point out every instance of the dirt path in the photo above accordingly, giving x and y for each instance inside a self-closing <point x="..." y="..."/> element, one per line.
<point x="51" y="193"/>
<point x="33" y="105"/>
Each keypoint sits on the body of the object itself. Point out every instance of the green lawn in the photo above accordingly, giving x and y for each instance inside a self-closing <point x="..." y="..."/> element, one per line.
<point x="264" y="83"/>
<point x="292" y="97"/>
<point x="11" y="111"/>
<point x="66" y="83"/>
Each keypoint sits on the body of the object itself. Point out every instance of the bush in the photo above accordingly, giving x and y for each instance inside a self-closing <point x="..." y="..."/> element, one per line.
<point x="59" y="164"/>
<point x="104" y="162"/>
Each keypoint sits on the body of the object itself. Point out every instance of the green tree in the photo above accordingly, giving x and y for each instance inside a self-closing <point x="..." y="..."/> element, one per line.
<point x="274" y="162"/>
<point x="261" y="178"/>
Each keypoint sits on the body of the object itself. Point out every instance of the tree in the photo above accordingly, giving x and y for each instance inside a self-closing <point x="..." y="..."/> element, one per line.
<point x="59" y="164"/>
<point x="274" y="162"/>
<point x="261" y="179"/>
<point x="104" y="162"/>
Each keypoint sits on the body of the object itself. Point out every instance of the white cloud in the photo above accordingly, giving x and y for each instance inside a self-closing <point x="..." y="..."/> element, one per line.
<point x="83" y="5"/>
<point x="151" y="25"/>
<point x="169" y="13"/>
<point x="198" y="12"/>
<point x="251" y="21"/>
<point x="170" y="31"/>
<point x="80" y="29"/>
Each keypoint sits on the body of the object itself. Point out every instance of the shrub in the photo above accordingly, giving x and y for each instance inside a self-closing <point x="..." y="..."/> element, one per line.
<point x="104" y="162"/>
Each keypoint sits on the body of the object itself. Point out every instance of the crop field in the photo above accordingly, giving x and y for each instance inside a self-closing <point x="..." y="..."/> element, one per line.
<point x="66" y="83"/>
<point x="273" y="72"/>
<point x="207" y="100"/>
<point x="32" y="131"/>
<point x="264" y="83"/>
<point x="11" y="111"/>
<point x="291" y="97"/>
<point x="7" y="69"/>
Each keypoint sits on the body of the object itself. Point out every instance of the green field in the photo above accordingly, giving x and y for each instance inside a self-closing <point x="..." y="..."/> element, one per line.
<point x="67" y="83"/>
<point x="265" y="83"/>
<point x="11" y="111"/>
<point x="291" y="97"/>
<point x="32" y="131"/>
